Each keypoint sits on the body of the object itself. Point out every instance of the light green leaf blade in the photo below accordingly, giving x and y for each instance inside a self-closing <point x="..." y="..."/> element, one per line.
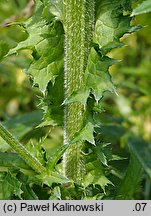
<point x="86" y="134"/>
<point x="111" y="24"/>
<point x="46" y="43"/>
<point x="56" y="156"/>
<point x="95" y="175"/>
<point x="144" y="7"/>
<point x="98" y="78"/>
<point x="51" y="177"/>
<point x="101" y="156"/>
<point x="56" y="194"/>
<point x="53" y="8"/>
<point x="81" y="96"/>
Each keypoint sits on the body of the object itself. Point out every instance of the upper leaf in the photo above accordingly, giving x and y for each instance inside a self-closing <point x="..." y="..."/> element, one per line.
<point x="144" y="7"/>
<point x="111" y="24"/>
<point x="46" y="42"/>
<point x="53" y="8"/>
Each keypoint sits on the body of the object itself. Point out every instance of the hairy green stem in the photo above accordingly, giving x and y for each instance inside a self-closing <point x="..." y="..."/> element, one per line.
<point x="78" y="26"/>
<point x="21" y="150"/>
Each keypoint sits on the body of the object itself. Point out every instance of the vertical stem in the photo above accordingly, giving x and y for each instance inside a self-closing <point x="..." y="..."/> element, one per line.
<point x="78" y="25"/>
<point x="21" y="150"/>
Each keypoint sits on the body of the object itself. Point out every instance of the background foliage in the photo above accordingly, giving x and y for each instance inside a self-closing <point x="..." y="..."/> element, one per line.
<point x="125" y="120"/>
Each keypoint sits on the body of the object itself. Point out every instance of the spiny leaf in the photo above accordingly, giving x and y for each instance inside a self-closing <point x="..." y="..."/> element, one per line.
<point x="81" y="96"/>
<point x="86" y="134"/>
<point x="53" y="8"/>
<point x="95" y="175"/>
<point x="97" y="79"/>
<point x="97" y="76"/>
<point x="51" y="177"/>
<point x="56" y="194"/>
<point x="144" y="7"/>
<point x="96" y="157"/>
<point x="52" y="104"/>
<point x="109" y="27"/>
<point x="28" y="193"/>
<point x="57" y="155"/>
<point x="46" y="42"/>
<point x="9" y="186"/>
<point x="35" y="27"/>
<point x="111" y="24"/>
<point x="48" y="71"/>
<point x="101" y="156"/>
<point x="37" y="151"/>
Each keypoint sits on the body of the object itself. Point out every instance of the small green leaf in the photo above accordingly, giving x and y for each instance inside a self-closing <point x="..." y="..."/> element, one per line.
<point x="46" y="43"/>
<point x="110" y="25"/>
<point x="49" y="73"/>
<point x="56" y="156"/>
<point x="95" y="175"/>
<point x="9" y="186"/>
<point x="28" y="193"/>
<point x="79" y="96"/>
<point x="86" y="134"/>
<point x="144" y="7"/>
<point x="98" y="79"/>
<point x="53" y="8"/>
<point x="117" y="157"/>
<point x="37" y="151"/>
<point x="52" y="105"/>
<point x="102" y="157"/>
<point x="51" y="177"/>
<point x="56" y="194"/>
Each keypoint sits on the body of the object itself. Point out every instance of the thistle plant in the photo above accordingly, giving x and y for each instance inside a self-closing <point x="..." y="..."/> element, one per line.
<point x="70" y="42"/>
